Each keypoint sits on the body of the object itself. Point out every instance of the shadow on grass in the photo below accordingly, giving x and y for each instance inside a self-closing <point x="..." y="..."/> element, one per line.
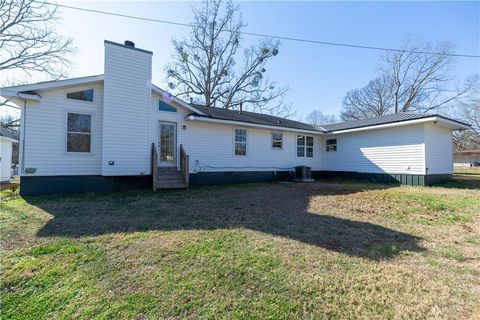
<point x="281" y="210"/>
<point x="461" y="181"/>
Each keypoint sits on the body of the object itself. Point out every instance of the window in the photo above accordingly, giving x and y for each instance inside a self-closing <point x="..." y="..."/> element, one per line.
<point x="331" y="145"/>
<point x="79" y="132"/>
<point x="277" y="140"/>
<point x="162" y="106"/>
<point x="309" y="147"/>
<point x="240" y="142"/>
<point x="300" y="146"/>
<point x="85" y="95"/>
<point x="304" y="146"/>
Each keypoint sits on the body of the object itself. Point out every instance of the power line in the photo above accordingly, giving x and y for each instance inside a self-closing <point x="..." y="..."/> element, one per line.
<point x="347" y="45"/>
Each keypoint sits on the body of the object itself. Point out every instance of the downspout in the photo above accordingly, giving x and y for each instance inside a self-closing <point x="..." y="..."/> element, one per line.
<point x="23" y="124"/>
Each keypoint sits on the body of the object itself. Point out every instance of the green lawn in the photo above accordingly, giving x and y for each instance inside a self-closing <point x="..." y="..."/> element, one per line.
<point x="330" y="249"/>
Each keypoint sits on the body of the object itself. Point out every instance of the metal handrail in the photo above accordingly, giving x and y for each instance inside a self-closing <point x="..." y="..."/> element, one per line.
<point x="185" y="165"/>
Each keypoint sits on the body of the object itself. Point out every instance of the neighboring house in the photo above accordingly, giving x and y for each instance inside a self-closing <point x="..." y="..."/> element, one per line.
<point x="6" y="146"/>
<point x="118" y="131"/>
<point x="466" y="158"/>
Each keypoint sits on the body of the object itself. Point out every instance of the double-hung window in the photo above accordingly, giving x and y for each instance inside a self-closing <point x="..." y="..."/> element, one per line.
<point x="331" y="145"/>
<point x="277" y="140"/>
<point x="240" y="142"/>
<point x="304" y="146"/>
<point x="79" y="132"/>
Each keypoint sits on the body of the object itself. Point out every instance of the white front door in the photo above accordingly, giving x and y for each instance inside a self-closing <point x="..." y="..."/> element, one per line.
<point x="167" y="144"/>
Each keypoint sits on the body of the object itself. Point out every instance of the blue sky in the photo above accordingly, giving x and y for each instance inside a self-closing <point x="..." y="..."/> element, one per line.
<point x="318" y="76"/>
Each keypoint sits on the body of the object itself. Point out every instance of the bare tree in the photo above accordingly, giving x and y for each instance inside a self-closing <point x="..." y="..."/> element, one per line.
<point x="28" y="40"/>
<point x="470" y="113"/>
<point x="415" y="79"/>
<point x="205" y="69"/>
<point x="318" y="118"/>
<point x="371" y="101"/>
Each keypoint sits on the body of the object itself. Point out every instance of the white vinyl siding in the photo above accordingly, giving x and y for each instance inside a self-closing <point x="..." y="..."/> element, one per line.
<point x="45" y="134"/>
<point x="393" y="150"/>
<point x="438" y="150"/>
<point x="127" y="97"/>
<point x="211" y="145"/>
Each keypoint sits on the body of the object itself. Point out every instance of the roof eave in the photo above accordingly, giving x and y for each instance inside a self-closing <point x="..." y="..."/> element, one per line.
<point x="456" y="125"/>
<point x="13" y="90"/>
<point x="452" y="124"/>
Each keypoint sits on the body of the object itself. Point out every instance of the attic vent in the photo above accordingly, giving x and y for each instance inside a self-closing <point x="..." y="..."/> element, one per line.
<point x="130" y="43"/>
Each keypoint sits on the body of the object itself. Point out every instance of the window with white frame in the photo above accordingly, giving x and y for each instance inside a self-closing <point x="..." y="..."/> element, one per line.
<point x="84" y="95"/>
<point x="79" y="132"/>
<point x="309" y="146"/>
<point x="331" y="145"/>
<point x="277" y="140"/>
<point x="240" y="142"/>
<point x="304" y="146"/>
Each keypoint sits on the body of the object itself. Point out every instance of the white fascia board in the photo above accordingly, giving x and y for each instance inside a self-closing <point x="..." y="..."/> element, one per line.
<point x="161" y="92"/>
<point x="449" y="123"/>
<point x="247" y="124"/>
<point x="455" y="125"/>
<point x="51" y="84"/>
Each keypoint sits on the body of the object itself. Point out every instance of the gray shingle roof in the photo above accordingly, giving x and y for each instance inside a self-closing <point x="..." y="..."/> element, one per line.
<point x="252" y="117"/>
<point x="389" y="118"/>
<point x="264" y="119"/>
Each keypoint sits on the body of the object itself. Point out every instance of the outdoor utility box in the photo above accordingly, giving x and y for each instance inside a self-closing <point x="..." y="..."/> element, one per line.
<point x="303" y="173"/>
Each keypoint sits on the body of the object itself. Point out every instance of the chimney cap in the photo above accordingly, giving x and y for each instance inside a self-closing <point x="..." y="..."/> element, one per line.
<point x="130" y="43"/>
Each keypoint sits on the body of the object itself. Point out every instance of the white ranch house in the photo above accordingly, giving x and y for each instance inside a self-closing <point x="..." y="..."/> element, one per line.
<point x="118" y="131"/>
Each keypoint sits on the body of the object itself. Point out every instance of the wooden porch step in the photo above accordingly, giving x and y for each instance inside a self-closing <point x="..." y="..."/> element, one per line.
<point x="169" y="178"/>
<point x="170" y="185"/>
<point x="167" y="170"/>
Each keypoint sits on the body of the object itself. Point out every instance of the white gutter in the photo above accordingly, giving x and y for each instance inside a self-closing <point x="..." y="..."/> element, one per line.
<point x="247" y="124"/>
<point x="435" y="119"/>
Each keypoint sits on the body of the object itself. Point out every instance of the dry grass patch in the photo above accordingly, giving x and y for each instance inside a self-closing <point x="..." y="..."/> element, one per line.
<point x="471" y="170"/>
<point x="323" y="250"/>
